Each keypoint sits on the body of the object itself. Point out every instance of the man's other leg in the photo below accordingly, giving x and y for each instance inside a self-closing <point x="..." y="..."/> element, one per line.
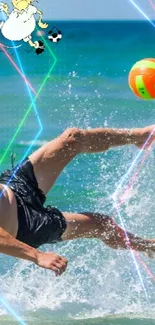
<point x="95" y="225"/>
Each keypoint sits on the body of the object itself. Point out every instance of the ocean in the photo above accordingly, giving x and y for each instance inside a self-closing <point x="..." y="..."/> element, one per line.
<point x="87" y="87"/>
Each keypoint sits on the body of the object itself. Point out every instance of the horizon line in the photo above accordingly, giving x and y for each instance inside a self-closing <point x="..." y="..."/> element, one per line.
<point x="96" y="20"/>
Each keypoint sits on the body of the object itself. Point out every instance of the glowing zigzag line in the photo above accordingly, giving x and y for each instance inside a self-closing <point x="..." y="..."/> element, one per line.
<point x="12" y="311"/>
<point x="29" y="109"/>
<point x="16" y="67"/>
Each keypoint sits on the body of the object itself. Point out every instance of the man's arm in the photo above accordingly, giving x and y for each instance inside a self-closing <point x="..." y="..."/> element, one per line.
<point x="138" y="137"/>
<point x="101" y="139"/>
<point x="11" y="246"/>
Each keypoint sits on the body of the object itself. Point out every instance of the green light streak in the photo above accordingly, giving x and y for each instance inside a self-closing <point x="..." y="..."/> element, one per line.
<point x="52" y="54"/>
<point x="22" y="122"/>
<point x="29" y="108"/>
<point x="28" y="111"/>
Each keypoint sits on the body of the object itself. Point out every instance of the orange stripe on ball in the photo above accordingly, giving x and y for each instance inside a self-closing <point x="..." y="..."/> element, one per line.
<point x="132" y="84"/>
<point x="149" y="82"/>
<point x="142" y="71"/>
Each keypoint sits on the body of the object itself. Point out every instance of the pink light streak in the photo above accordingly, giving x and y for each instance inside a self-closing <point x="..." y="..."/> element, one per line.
<point x="135" y="175"/>
<point x="145" y="266"/>
<point x="152" y="4"/>
<point x="18" y="70"/>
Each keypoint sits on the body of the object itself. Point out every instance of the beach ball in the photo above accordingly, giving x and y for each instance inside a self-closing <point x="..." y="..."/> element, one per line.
<point x="142" y="79"/>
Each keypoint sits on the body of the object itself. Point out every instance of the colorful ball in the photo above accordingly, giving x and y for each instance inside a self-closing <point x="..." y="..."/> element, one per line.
<point x="142" y="79"/>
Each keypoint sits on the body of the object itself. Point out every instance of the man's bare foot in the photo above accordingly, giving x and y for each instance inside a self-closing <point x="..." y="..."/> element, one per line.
<point x="146" y="136"/>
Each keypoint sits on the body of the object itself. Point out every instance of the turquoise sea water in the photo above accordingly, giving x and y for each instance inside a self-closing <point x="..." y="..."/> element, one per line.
<point x="87" y="88"/>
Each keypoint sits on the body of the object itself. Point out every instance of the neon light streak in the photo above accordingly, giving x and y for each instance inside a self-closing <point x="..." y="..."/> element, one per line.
<point x="152" y="4"/>
<point x="12" y="312"/>
<point x="114" y="196"/>
<point x="19" y="127"/>
<point x="142" y="12"/>
<point x="145" y="266"/>
<point x="28" y="88"/>
<point x="16" y="67"/>
<point x="135" y="175"/>
<point x="133" y="163"/>
<point x="26" y="115"/>
<point x="131" y="251"/>
<point x="33" y="101"/>
<point x="119" y="205"/>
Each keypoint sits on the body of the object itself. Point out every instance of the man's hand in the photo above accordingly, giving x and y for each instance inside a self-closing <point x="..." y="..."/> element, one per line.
<point x="13" y="247"/>
<point x="52" y="262"/>
<point x="145" y="136"/>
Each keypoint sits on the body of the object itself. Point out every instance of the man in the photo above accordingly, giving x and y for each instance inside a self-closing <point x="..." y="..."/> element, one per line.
<point x="25" y="223"/>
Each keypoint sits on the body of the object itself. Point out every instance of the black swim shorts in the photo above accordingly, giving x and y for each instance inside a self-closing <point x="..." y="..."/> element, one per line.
<point x="38" y="225"/>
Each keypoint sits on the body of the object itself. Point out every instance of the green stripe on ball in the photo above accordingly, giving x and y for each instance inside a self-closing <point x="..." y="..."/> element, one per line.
<point x="144" y="64"/>
<point x="141" y="88"/>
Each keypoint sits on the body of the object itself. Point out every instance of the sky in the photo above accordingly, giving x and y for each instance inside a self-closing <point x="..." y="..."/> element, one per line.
<point x="94" y="9"/>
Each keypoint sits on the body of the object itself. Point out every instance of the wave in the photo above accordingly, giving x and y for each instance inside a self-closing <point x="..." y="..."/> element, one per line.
<point x="37" y="143"/>
<point x="46" y="318"/>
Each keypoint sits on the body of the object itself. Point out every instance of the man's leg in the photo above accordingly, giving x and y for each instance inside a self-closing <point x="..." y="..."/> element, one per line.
<point x="50" y="159"/>
<point x="91" y="225"/>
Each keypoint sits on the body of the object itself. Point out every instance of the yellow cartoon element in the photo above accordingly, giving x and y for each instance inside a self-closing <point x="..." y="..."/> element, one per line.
<point x="21" y="23"/>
